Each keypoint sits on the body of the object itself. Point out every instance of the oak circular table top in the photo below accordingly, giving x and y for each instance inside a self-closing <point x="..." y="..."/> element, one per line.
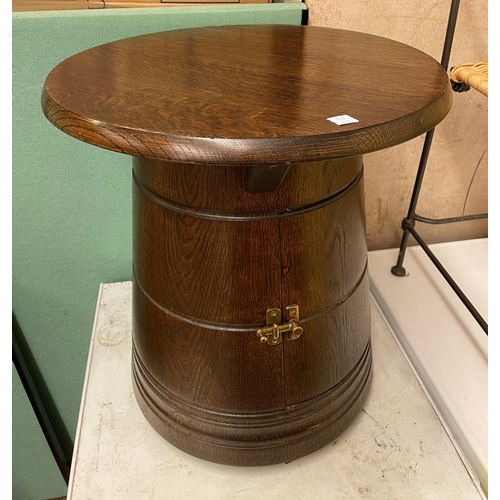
<point x="247" y="95"/>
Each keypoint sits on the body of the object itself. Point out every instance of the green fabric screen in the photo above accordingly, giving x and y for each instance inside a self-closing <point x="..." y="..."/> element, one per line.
<point x="35" y="475"/>
<point x="71" y="201"/>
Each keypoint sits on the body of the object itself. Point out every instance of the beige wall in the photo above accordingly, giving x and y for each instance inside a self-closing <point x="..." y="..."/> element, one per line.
<point x="460" y="141"/>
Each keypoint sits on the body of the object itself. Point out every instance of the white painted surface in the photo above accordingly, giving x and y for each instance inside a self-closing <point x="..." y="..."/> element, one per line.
<point x="395" y="449"/>
<point x="447" y="347"/>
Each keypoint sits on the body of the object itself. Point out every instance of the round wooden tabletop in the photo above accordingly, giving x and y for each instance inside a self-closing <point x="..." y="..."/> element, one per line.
<point x="247" y="95"/>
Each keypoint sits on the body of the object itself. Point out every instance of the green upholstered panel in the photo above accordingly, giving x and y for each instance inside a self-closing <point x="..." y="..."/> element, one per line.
<point x="72" y="201"/>
<point x="35" y="475"/>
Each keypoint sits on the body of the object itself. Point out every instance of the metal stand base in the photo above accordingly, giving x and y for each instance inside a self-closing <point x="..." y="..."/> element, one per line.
<point x="408" y="223"/>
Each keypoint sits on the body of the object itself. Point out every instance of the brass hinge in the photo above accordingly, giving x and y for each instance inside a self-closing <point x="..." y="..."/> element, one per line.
<point x="272" y="333"/>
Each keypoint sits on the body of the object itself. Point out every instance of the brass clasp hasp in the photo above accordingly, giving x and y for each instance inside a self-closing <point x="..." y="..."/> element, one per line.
<point x="272" y="332"/>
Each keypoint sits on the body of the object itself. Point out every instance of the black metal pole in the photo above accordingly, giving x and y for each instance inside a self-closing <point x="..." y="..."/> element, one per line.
<point x="450" y="32"/>
<point x="450" y="220"/>
<point x="409" y="221"/>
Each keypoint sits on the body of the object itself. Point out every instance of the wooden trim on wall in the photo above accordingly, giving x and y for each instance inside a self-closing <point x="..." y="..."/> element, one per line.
<point x="44" y="5"/>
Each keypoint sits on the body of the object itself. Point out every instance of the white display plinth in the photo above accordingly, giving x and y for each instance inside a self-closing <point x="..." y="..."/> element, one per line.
<point x="443" y="341"/>
<point x="396" y="447"/>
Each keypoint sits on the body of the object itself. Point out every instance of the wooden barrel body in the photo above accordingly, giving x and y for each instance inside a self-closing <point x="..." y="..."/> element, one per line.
<point x="210" y="258"/>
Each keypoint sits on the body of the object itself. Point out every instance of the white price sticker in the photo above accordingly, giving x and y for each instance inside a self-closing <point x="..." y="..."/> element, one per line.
<point x="342" y="120"/>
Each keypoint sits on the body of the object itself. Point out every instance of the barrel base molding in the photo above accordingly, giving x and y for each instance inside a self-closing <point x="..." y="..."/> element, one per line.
<point x="249" y="439"/>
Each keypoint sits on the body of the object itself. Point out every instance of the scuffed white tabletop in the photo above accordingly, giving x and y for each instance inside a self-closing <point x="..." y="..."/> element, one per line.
<point x="397" y="448"/>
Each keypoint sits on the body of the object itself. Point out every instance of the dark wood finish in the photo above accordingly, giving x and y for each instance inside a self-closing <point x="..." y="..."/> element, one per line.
<point x="207" y="266"/>
<point x="325" y="272"/>
<point x="254" y="438"/>
<point x="208" y="277"/>
<point x="235" y="95"/>
<point x="217" y="263"/>
<point x="266" y="178"/>
<point x="246" y="198"/>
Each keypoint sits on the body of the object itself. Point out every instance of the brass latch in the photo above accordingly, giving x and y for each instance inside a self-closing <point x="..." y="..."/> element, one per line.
<point x="272" y="333"/>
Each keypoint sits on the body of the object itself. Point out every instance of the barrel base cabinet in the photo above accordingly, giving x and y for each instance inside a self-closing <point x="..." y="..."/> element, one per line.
<point x="251" y="311"/>
<point x="210" y="259"/>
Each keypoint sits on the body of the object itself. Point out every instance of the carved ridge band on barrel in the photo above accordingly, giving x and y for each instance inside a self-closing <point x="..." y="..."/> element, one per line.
<point x="211" y="325"/>
<point x="204" y="213"/>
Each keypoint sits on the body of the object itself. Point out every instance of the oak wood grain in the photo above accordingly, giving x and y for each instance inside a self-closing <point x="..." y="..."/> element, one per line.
<point x="247" y="95"/>
<point x="251" y="439"/>
<point x="324" y="270"/>
<point x="208" y="113"/>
